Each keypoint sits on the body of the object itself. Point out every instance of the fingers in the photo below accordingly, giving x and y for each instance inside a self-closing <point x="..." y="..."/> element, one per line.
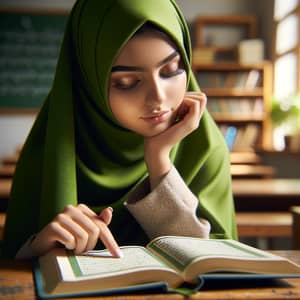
<point x="199" y="97"/>
<point x="102" y="221"/>
<point x="105" y="235"/>
<point x="106" y="215"/>
<point x="193" y="106"/>
<point x="62" y="235"/>
<point x="189" y="114"/>
<point x="109" y="241"/>
<point x="79" y="228"/>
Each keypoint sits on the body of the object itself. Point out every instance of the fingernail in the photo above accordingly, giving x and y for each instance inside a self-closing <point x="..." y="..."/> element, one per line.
<point x="110" y="208"/>
<point x="119" y="253"/>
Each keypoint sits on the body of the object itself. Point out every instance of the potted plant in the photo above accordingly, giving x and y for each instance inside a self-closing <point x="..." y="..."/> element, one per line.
<point x="285" y="113"/>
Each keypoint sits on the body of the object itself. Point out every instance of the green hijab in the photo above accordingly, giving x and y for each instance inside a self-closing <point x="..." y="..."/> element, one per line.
<point x="76" y="150"/>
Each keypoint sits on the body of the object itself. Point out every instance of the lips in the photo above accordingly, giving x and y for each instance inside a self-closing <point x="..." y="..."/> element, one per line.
<point x="156" y="115"/>
<point x="156" y="118"/>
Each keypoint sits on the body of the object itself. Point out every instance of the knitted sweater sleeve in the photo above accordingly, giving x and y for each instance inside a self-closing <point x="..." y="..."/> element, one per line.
<point x="169" y="209"/>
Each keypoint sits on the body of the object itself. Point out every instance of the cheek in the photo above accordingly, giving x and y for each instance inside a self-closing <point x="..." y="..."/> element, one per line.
<point x="116" y="105"/>
<point x="177" y="89"/>
<point x="123" y="108"/>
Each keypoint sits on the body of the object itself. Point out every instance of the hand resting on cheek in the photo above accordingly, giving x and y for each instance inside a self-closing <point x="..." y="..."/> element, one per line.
<point x="158" y="147"/>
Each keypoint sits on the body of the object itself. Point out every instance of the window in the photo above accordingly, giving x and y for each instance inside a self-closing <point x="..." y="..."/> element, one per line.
<point x="286" y="74"/>
<point x="284" y="41"/>
<point x="286" y="55"/>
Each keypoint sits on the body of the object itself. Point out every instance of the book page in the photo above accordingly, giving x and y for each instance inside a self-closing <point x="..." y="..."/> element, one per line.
<point x="181" y="251"/>
<point x="101" y="262"/>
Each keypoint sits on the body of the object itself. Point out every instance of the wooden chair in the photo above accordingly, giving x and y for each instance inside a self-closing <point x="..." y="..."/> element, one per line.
<point x="296" y="226"/>
<point x="264" y="226"/>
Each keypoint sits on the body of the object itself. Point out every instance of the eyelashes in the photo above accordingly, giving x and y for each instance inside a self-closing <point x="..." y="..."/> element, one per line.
<point x="173" y="73"/>
<point x="171" y="69"/>
<point x="131" y="82"/>
<point x="126" y="86"/>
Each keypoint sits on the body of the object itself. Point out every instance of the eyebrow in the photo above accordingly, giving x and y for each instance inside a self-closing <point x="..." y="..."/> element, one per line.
<point x="120" y="68"/>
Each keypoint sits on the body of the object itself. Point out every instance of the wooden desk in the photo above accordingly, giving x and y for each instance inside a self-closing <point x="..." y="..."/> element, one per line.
<point x="10" y="160"/>
<point x="16" y="282"/>
<point x="5" y="187"/>
<point x="251" y="171"/>
<point x="263" y="206"/>
<point x="244" y="158"/>
<point x="266" y="194"/>
<point x="7" y="171"/>
<point x="264" y="224"/>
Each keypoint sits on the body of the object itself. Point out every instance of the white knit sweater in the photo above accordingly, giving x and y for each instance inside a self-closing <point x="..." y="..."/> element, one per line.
<point x="170" y="209"/>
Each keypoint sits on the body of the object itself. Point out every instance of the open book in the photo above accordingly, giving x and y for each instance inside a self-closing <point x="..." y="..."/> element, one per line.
<point x="170" y="259"/>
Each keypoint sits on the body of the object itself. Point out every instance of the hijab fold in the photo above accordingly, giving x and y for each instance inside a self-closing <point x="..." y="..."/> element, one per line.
<point x="77" y="151"/>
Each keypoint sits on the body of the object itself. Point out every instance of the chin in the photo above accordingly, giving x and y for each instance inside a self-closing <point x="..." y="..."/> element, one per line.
<point x="157" y="130"/>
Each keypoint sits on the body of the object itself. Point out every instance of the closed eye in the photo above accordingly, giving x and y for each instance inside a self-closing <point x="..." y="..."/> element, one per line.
<point x="125" y="86"/>
<point x="172" y="74"/>
<point x="173" y="68"/>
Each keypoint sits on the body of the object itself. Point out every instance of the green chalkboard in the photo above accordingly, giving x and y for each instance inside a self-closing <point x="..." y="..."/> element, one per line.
<point x="29" y="47"/>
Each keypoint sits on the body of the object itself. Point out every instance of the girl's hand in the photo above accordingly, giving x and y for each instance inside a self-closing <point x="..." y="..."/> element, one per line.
<point x="77" y="228"/>
<point x="157" y="148"/>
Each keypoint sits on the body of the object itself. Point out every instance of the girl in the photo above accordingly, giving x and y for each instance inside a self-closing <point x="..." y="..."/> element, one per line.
<point x="123" y="149"/>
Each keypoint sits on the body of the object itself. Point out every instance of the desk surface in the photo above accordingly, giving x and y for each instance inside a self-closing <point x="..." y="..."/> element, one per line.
<point x="16" y="282"/>
<point x="7" y="171"/>
<point x="266" y="187"/>
<point x="5" y="186"/>
<point x="266" y="194"/>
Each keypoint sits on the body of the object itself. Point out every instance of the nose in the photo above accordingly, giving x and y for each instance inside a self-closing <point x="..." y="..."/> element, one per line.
<point x="156" y="92"/>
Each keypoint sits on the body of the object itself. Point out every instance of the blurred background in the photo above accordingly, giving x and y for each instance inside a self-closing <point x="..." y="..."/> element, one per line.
<point x="246" y="59"/>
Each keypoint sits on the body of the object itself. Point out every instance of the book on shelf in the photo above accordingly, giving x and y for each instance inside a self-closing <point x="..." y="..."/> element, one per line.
<point x="233" y="79"/>
<point x="230" y="80"/>
<point x="240" y="79"/>
<point x="253" y="79"/>
<point x="240" y="138"/>
<point x="169" y="261"/>
<point x="251" y="106"/>
<point x="246" y="137"/>
<point x="250" y="136"/>
<point x="238" y="105"/>
<point x="258" y="106"/>
<point x="213" y="105"/>
<point x="230" y="135"/>
<point x="211" y="79"/>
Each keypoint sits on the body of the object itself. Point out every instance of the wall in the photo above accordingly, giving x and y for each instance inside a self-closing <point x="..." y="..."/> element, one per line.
<point x="37" y="4"/>
<point x="192" y="8"/>
<point x="14" y="128"/>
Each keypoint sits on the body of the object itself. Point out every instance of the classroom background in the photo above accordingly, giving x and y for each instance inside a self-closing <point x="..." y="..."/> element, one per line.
<point x="246" y="56"/>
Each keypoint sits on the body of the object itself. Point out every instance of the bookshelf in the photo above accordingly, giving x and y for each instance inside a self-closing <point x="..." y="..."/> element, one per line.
<point x="239" y="101"/>
<point x="211" y="29"/>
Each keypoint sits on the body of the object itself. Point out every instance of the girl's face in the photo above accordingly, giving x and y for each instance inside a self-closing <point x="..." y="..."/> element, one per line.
<point x="147" y="84"/>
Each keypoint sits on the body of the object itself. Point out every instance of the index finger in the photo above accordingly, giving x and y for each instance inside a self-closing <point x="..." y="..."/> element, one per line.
<point x="105" y="234"/>
<point x="108" y="240"/>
